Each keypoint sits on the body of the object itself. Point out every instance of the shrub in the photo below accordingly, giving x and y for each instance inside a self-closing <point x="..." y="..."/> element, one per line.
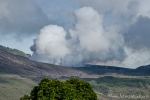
<point x="72" y="89"/>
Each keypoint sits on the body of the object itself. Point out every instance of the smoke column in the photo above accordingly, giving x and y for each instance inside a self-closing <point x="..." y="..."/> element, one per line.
<point x="115" y="34"/>
<point x="89" y="42"/>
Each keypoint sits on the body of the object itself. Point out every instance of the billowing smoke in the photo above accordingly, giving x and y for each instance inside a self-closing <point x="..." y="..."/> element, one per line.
<point x="89" y="41"/>
<point x="108" y="32"/>
<point x="51" y="44"/>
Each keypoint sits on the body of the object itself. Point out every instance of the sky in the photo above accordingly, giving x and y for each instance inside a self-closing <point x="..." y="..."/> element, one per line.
<point x="78" y="32"/>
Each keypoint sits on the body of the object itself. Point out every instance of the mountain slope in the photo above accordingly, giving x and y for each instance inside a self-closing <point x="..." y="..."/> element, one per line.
<point x="13" y="64"/>
<point x="106" y="70"/>
<point x="19" y="75"/>
<point x="14" y="51"/>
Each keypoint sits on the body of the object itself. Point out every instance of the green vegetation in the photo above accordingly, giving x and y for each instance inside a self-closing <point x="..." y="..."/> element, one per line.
<point x="14" y="51"/>
<point x="12" y="87"/>
<point x="71" y="89"/>
<point x="108" y="87"/>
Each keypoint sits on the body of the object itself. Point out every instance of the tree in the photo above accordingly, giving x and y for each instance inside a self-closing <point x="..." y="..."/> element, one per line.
<point x="72" y="89"/>
<point x="25" y="97"/>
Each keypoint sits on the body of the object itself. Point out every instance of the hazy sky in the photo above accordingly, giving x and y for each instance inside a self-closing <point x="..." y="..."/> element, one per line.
<point x="21" y="20"/>
<point x="76" y="32"/>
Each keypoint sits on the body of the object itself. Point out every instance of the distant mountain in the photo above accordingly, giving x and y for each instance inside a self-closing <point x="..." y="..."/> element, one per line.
<point x="102" y="70"/>
<point x="14" y="51"/>
<point x="143" y="70"/>
<point x="13" y="64"/>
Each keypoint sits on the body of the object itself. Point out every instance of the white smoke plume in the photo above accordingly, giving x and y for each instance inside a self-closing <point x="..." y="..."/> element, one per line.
<point x="108" y="32"/>
<point x="51" y="44"/>
<point x="89" y="41"/>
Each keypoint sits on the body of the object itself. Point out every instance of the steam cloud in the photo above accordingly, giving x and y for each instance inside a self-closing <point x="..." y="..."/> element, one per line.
<point x="89" y="42"/>
<point x="110" y="32"/>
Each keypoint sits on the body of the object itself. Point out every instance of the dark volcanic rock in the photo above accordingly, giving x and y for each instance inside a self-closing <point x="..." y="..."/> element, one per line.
<point x="13" y="64"/>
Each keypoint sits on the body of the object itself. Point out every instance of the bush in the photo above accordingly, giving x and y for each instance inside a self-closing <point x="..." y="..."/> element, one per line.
<point x="72" y="89"/>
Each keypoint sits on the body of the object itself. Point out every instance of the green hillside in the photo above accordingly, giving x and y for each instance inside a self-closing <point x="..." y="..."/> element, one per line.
<point x="121" y="87"/>
<point x="12" y="87"/>
<point x="14" y="51"/>
<point x="113" y="88"/>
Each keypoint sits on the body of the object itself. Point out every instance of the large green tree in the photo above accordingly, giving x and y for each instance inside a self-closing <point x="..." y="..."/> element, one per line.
<point x="72" y="89"/>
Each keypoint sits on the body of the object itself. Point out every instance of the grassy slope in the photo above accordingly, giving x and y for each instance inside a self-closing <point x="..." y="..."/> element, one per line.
<point x="14" y="51"/>
<point x="107" y="86"/>
<point x="12" y="87"/>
